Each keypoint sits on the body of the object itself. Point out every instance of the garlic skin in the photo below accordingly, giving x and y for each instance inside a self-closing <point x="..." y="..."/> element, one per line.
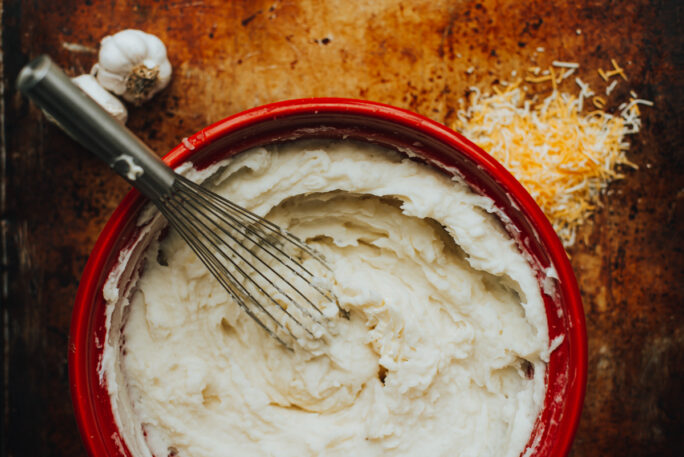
<point x="111" y="104"/>
<point x="133" y="64"/>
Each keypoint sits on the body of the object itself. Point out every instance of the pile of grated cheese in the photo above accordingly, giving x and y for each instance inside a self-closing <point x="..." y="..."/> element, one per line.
<point x="562" y="153"/>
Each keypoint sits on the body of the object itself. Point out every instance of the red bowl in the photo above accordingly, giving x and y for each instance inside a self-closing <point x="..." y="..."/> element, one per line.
<point x="392" y="127"/>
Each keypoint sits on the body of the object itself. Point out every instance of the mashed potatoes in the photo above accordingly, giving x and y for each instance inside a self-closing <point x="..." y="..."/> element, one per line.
<point x="443" y="353"/>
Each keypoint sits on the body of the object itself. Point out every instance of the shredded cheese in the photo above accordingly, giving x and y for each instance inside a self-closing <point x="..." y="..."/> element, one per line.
<point x="539" y="79"/>
<point x="564" y="156"/>
<point x="599" y="102"/>
<point x="617" y="70"/>
<point x="560" y="64"/>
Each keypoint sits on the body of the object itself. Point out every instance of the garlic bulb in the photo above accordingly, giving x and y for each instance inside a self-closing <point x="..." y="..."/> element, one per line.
<point x="109" y="102"/>
<point x="133" y="64"/>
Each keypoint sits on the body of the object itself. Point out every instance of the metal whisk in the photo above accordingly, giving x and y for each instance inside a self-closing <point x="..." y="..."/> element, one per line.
<point x="259" y="264"/>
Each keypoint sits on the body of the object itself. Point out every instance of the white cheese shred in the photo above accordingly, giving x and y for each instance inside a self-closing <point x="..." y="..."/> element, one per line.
<point x="559" y="64"/>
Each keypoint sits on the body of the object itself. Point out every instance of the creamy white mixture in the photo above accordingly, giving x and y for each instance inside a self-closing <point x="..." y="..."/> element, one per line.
<point x="443" y="355"/>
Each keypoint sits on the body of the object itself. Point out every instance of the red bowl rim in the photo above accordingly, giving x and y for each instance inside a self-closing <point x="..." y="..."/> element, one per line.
<point x="557" y="255"/>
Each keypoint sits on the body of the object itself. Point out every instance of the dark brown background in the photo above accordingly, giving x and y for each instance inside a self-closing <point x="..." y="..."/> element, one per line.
<point x="229" y="56"/>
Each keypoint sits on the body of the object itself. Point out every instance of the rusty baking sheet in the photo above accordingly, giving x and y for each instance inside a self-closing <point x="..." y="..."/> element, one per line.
<point x="421" y="55"/>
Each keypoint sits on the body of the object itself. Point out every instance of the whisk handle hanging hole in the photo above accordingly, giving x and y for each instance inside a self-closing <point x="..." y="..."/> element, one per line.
<point x="89" y="124"/>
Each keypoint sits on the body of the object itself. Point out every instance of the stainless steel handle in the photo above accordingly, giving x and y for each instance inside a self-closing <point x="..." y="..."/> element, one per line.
<point x="82" y="118"/>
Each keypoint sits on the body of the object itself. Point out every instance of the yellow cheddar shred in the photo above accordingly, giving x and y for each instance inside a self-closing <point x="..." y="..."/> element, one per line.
<point x="565" y="157"/>
<point x="599" y="102"/>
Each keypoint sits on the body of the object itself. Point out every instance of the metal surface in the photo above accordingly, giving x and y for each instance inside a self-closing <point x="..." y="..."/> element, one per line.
<point x="230" y="56"/>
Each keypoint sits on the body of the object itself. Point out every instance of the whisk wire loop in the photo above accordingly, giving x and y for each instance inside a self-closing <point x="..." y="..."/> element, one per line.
<point x="262" y="242"/>
<point x="215" y="242"/>
<point x="261" y="267"/>
<point x="227" y="280"/>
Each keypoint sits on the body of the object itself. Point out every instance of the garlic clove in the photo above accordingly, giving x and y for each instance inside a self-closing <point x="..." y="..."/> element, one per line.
<point x="130" y="43"/>
<point x="133" y="64"/>
<point x="156" y="51"/>
<point x="111" y="104"/>
<point x="114" y="54"/>
<point x="114" y="82"/>
<point x="164" y="74"/>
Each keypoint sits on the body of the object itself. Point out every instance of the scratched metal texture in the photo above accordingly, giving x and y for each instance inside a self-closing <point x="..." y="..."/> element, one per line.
<point x="229" y="56"/>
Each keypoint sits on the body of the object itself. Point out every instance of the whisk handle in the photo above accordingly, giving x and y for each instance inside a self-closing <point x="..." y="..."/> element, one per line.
<point x="82" y="118"/>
